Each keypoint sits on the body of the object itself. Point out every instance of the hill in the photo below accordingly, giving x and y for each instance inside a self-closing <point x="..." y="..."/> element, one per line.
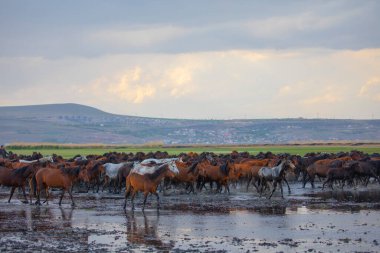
<point x="74" y="123"/>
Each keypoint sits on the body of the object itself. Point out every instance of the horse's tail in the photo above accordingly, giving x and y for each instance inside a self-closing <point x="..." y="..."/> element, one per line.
<point x="33" y="185"/>
<point x="128" y="185"/>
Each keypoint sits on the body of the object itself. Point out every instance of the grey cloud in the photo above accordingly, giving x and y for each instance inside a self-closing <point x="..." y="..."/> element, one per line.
<point x="55" y="29"/>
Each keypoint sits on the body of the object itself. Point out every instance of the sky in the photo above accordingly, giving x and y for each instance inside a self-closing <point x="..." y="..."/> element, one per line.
<point x="194" y="59"/>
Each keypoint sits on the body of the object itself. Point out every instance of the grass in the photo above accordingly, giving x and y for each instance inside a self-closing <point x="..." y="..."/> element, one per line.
<point x="70" y="151"/>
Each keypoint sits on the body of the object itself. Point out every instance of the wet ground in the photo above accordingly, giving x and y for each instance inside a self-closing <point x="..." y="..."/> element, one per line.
<point x="305" y="221"/>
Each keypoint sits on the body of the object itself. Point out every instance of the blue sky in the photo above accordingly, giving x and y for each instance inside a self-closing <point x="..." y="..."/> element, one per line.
<point x="194" y="59"/>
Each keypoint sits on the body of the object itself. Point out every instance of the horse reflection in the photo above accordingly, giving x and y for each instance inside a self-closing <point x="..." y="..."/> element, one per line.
<point x="46" y="218"/>
<point x="145" y="234"/>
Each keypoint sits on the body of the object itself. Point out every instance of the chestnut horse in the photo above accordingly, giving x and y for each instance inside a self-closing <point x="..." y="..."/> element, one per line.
<point x="219" y="174"/>
<point x="148" y="182"/>
<point x="17" y="178"/>
<point x="57" y="178"/>
<point x="93" y="174"/>
<point x="188" y="175"/>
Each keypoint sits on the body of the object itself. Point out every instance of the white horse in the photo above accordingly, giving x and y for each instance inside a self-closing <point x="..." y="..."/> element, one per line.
<point x="41" y="160"/>
<point x="111" y="171"/>
<point x="150" y="166"/>
<point x="275" y="175"/>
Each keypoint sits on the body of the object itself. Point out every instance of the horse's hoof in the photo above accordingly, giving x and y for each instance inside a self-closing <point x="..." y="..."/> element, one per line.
<point x="25" y="202"/>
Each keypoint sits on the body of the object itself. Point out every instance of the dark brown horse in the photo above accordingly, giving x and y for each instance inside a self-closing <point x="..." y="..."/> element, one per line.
<point x="57" y="178"/>
<point x="321" y="167"/>
<point x="93" y="175"/>
<point x="123" y="173"/>
<point x="17" y="178"/>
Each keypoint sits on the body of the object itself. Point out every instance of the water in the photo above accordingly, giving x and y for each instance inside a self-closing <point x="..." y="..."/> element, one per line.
<point x="310" y="220"/>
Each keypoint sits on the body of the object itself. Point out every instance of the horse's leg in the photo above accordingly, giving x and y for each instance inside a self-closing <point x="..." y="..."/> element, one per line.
<point x="97" y="185"/>
<point x="227" y="187"/>
<point x="26" y="198"/>
<point x="127" y="193"/>
<point x="158" y="200"/>
<point x="145" y="197"/>
<point x="71" y="196"/>
<point x="274" y="188"/>
<point x="60" y="198"/>
<point x="286" y="181"/>
<point x="12" y="191"/>
<point x="104" y="183"/>
<point x="254" y="180"/>
<point x="261" y="187"/>
<point x="47" y="195"/>
<point x="282" y="191"/>
<point x="323" y="186"/>
<point x="312" y="181"/>
<point x="249" y="181"/>
<point x="38" y="192"/>
<point x="304" y="177"/>
<point x="132" y="198"/>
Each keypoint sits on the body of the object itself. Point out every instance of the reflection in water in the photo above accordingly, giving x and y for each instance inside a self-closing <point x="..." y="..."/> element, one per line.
<point x="46" y="218"/>
<point x="344" y="196"/>
<point x="144" y="232"/>
<point x="19" y="215"/>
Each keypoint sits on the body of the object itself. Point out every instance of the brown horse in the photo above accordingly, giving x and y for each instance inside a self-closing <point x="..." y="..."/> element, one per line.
<point x="93" y="174"/>
<point x="188" y="175"/>
<point x="147" y="183"/>
<point x="220" y="174"/>
<point x="57" y="178"/>
<point x="16" y="178"/>
<point x="343" y="174"/>
<point x="321" y="167"/>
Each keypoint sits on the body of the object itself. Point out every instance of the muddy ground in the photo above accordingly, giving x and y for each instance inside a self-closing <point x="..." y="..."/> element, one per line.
<point x="305" y="221"/>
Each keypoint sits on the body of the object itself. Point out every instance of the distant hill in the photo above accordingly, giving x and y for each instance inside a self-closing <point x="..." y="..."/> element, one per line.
<point x="74" y="123"/>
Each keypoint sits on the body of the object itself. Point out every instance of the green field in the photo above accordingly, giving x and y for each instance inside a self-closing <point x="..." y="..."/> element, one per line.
<point x="68" y="152"/>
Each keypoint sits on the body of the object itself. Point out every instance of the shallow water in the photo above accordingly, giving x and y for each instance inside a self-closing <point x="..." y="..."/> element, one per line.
<point x="307" y="220"/>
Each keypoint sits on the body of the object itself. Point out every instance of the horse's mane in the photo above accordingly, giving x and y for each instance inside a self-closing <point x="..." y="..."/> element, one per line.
<point x="279" y="162"/>
<point x="70" y="171"/>
<point x="21" y="170"/>
<point x="192" y="167"/>
<point x="224" y="168"/>
<point x="157" y="173"/>
<point x="96" y="166"/>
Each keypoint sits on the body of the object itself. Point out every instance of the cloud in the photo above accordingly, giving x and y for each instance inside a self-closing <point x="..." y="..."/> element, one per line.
<point x="222" y="84"/>
<point x="139" y="36"/>
<point x="131" y="87"/>
<point x="291" y="89"/>
<point x="371" y="89"/>
<point x="329" y="96"/>
<point x="279" y="26"/>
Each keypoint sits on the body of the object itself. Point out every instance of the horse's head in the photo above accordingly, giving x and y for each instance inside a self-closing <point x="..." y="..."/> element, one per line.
<point x="234" y="173"/>
<point x="193" y="169"/>
<point x="83" y="175"/>
<point x="288" y="164"/>
<point x="173" y="167"/>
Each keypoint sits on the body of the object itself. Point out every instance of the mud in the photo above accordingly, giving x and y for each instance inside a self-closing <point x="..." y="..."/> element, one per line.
<point x="307" y="220"/>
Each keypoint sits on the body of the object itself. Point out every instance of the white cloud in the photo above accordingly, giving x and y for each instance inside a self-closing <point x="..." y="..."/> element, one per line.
<point x="371" y="89"/>
<point x="223" y="84"/>
<point x="131" y="87"/>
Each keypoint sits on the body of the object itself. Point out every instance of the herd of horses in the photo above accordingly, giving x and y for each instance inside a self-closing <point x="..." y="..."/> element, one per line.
<point x="194" y="172"/>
